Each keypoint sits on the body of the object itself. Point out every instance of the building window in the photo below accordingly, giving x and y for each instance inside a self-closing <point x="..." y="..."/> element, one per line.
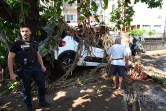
<point x="70" y="17"/>
<point x="74" y="18"/>
<point x="100" y="6"/>
<point x="157" y="28"/>
<point x="51" y="4"/>
<point x="146" y="27"/>
<point x="101" y="12"/>
<point x="157" y="25"/>
<point x="78" y="1"/>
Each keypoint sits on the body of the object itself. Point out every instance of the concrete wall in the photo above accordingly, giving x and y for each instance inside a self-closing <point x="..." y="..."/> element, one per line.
<point x="150" y="46"/>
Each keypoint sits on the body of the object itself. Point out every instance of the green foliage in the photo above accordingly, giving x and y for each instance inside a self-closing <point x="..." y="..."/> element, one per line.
<point x="97" y="18"/>
<point x="137" y="31"/>
<point x="150" y="3"/>
<point x="122" y="15"/>
<point x="142" y="31"/>
<point x="94" y="6"/>
<point x="70" y="1"/>
<point x="84" y="10"/>
<point x="102" y="22"/>
<point x="105" y="4"/>
<point x="8" y="33"/>
<point x="13" y="85"/>
<point x="164" y="82"/>
<point x="151" y="32"/>
<point x="51" y="14"/>
<point x="15" y="5"/>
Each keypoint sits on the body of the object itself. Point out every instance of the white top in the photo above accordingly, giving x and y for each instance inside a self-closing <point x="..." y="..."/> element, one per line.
<point x="117" y="51"/>
<point x="128" y="50"/>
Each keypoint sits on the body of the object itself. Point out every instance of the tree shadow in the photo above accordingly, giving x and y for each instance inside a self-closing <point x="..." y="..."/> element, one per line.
<point x="91" y="97"/>
<point x="151" y="60"/>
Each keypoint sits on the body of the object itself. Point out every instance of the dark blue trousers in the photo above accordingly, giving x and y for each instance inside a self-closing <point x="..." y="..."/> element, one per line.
<point x="33" y="74"/>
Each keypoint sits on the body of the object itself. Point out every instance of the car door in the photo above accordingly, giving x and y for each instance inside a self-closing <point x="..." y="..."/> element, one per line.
<point x="91" y="56"/>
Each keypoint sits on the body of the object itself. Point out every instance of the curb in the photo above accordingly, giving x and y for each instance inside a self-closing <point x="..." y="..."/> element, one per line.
<point x="154" y="53"/>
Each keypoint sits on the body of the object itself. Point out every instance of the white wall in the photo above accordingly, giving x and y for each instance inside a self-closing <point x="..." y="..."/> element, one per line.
<point x="152" y="17"/>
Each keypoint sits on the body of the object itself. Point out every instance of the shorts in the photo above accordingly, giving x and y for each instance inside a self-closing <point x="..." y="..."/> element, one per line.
<point x="115" y="69"/>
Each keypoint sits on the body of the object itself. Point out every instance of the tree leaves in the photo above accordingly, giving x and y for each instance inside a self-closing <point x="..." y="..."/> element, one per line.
<point x="137" y="32"/>
<point x="84" y="9"/>
<point x="70" y="1"/>
<point x="94" y="6"/>
<point x="105" y="4"/>
<point x="151" y="32"/>
<point x="151" y="3"/>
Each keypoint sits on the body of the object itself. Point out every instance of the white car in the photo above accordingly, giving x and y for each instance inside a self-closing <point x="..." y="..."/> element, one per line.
<point x="67" y="51"/>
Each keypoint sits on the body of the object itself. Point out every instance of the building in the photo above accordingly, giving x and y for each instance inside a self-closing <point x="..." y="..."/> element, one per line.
<point x="70" y="13"/>
<point x="100" y="12"/>
<point x="149" y="19"/>
<point x="71" y="16"/>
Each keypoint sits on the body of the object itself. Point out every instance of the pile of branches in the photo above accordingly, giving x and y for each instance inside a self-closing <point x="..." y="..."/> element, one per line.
<point x="86" y="76"/>
<point x="83" y="31"/>
<point x="137" y="72"/>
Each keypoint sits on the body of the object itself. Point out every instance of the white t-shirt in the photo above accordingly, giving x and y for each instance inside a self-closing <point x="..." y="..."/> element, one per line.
<point x="128" y="50"/>
<point x="117" y="51"/>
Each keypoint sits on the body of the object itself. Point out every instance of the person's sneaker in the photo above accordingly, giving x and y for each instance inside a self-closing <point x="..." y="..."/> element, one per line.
<point x="112" y="86"/>
<point x="30" y="108"/>
<point x="44" y="104"/>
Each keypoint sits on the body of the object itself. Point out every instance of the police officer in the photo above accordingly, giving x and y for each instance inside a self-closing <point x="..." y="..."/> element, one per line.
<point x="30" y="60"/>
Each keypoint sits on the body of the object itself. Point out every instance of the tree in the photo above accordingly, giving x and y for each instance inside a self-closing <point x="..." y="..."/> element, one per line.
<point x="151" y="33"/>
<point x="137" y="32"/>
<point x="122" y="15"/>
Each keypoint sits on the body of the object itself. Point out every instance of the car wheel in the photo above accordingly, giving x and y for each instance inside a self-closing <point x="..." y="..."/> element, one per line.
<point x="65" y="63"/>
